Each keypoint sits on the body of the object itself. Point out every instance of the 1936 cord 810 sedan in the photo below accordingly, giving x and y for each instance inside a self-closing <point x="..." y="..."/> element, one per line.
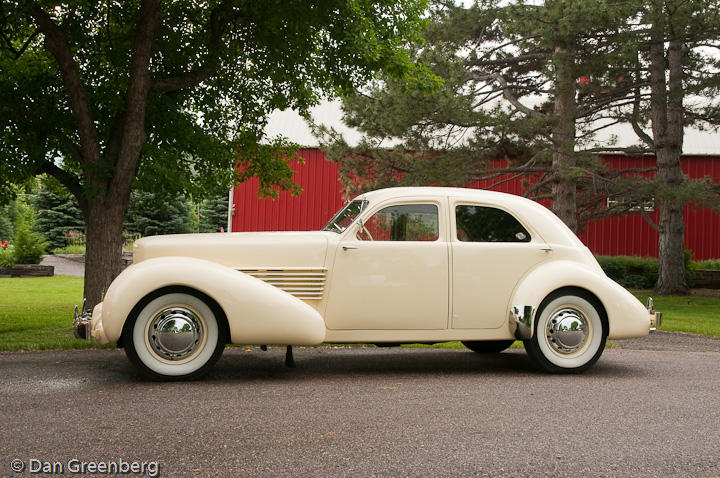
<point x="398" y="265"/>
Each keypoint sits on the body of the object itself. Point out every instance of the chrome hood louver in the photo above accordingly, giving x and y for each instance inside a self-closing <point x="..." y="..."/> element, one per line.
<point x="304" y="283"/>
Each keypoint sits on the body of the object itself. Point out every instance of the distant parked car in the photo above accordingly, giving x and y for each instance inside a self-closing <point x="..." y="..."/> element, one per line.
<point x="398" y="265"/>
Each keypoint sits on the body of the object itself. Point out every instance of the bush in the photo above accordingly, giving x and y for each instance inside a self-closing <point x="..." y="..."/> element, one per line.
<point x="6" y="229"/>
<point x="631" y="272"/>
<point x="28" y="247"/>
<point x="710" y="264"/>
<point x="642" y="272"/>
<point x="7" y="258"/>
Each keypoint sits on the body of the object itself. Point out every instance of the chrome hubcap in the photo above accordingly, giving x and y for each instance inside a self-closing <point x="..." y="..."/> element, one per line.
<point x="567" y="330"/>
<point x="175" y="333"/>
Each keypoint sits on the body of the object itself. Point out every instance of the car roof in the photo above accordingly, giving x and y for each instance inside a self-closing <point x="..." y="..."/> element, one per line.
<point x="538" y="216"/>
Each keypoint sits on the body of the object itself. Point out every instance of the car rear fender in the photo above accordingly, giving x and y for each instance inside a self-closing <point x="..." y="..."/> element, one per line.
<point x="627" y="317"/>
<point x="257" y="313"/>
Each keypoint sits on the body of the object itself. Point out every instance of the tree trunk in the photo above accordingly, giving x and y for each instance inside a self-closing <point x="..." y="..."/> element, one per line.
<point x="563" y="135"/>
<point x="103" y="247"/>
<point x="667" y="124"/>
<point x="671" y="253"/>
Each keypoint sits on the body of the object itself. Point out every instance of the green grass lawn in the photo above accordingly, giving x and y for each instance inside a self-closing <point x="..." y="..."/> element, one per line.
<point x="36" y="314"/>
<point x="698" y="315"/>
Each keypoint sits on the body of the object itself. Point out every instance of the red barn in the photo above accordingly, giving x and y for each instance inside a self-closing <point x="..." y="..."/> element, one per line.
<point x="629" y="234"/>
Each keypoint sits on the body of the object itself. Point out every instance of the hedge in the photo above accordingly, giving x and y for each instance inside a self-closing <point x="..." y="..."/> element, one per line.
<point x="642" y="272"/>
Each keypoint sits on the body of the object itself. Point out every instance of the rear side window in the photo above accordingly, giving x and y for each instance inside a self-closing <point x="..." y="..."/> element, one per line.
<point x="488" y="224"/>
<point x="406" y="222"/>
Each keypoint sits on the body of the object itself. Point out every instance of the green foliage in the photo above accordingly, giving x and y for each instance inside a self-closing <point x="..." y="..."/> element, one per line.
<point x="6" y="227"/>
<point x="56" y="215"/>
<point x="70" y="249"/>
<point x="150" y="215"/>
<point x="710" y="264"/>
<point x="639" y="272"/>
<point x="214" y="214"/>
<point x="269" y="163"/>
<point x="253" y="58"/>
<point x="630" y="272"/>
<point x="7" y="256"/>
<point x="28" y="246"/>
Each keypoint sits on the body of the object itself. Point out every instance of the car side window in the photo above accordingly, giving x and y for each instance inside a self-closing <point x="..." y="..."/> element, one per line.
<point x="488" y="224"/>
<point x="405" y="222"/>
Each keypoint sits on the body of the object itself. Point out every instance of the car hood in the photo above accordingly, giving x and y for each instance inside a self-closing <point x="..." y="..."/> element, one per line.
<point x="240" y="250"/>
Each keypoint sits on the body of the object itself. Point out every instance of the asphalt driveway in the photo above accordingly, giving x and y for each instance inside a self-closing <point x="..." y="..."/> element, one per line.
<point x="369" y="412"/>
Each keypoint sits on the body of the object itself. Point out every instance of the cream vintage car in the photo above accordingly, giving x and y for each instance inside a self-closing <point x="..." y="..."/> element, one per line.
<point x="398" y="265"/>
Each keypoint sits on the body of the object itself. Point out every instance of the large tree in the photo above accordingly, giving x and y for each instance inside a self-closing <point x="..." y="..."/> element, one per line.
<point x="105" y="96"/>
<point x="678" y="52"/>
<point x="521" y="81"/>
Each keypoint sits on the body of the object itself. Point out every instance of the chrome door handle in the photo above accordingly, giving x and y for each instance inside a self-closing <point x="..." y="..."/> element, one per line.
<point x="546" y="249"/>
<point x="345" y="248"/>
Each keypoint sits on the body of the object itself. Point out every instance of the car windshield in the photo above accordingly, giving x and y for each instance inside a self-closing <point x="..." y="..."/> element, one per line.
<point x="345" y="216"/>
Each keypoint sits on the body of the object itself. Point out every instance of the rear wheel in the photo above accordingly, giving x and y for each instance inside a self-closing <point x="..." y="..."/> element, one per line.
<point x="488" y="346"/>
<point x="569" y="335"/>
<point x="175" y="336"/>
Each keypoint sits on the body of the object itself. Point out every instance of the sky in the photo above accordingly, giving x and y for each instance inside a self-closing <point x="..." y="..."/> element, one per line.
<point x="291" y="125"/>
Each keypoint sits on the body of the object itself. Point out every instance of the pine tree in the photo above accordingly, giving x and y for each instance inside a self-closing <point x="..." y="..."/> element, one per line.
<point x="525" y="83"/>
<point x="150" y="215"/>
<point x="674" y="42"/>
<point x="214" y="214"/>
<point x="56" y="215"/>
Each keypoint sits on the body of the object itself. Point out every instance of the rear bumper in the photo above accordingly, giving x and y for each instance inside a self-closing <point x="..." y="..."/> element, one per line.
<point x="655" y="316"/>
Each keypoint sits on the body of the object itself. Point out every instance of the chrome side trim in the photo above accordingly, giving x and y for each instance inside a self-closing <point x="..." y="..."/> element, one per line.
<point x="304" y="283"/>
<point x="521" y="321"/>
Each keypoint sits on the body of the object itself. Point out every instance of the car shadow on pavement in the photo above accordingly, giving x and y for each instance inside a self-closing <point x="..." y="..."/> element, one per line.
<point x="253" y="364"/>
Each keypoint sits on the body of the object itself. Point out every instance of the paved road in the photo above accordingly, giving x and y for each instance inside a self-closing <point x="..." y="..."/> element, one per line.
<point x="370" y="412"/>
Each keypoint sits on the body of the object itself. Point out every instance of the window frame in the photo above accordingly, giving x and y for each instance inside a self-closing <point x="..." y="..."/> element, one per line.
<point x="374" y="209"/>
<point x="453" y="223"/>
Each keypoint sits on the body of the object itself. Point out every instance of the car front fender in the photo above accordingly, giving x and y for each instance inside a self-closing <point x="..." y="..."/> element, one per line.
<point x="627" y="316"/>
<point x="257" y="313"/>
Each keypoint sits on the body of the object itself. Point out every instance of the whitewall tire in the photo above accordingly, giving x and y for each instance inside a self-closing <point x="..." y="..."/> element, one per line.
<point x="174" y="336"/>
<point x="569" y="334"/>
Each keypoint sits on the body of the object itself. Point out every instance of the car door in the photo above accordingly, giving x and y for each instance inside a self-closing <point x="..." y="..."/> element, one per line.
<point x="491" y="251"/>
<point x="392" y="274"/>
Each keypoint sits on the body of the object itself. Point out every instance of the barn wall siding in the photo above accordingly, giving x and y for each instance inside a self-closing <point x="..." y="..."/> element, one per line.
<point x="629" y="234"/>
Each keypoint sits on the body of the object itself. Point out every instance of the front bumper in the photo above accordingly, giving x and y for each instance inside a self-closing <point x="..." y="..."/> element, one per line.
<point x="88" y="325"/>
<point x="81" y="323"/>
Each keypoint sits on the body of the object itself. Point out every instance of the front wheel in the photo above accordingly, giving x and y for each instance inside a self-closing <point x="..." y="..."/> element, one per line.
<point x="176" y="336"/>
<point x="569" y="335"/>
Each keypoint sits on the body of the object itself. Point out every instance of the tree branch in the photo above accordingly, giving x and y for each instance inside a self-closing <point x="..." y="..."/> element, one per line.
<point x="634" y="122"/>
<point x="507" y="92"/>
<point x="133" y="114"/>
<point x="197" y="76"/>
<point x="26" y="113"/>
<point x="69" y="181"/>
<point x="19" y="53"/>
<point x="56" y="43"/>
